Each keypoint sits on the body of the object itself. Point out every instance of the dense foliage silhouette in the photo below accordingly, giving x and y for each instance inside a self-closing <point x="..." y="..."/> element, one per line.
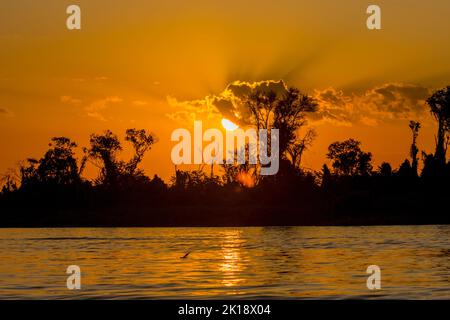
<point x="52" y="191"/>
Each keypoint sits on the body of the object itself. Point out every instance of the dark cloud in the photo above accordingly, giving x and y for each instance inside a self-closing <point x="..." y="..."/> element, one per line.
<point x="226" y="108"/>
<point x="400" y="99"/>
<point x="386" y="102"/>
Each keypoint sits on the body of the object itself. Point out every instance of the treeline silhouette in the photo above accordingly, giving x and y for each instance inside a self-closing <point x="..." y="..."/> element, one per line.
<point x="51" y="191"/>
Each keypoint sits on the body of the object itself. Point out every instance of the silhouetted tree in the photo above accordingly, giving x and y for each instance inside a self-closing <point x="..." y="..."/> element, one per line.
<point x="286" y="112"/>
<point x="180" y="180"/>
<point x="58" y="166"/>
<point x="157" y="184"/>
<point x="430" y="166"/>
<point x="439" y="104"/>
<point x="10" y="181"/>
<point x="385" y="170"/>
<point x="289" y="116"/>
<point x="262" y="107"/>
<point x="405" y="169"/>
<point x="193" y="180"/>
<point x="28" y="173"/>
<point x="296" y="149"/>
<point x="142" y="142"/>
<point x="348" y="158"/>
<point x="104" y="147"/>
<point x="326" y="176"/>
<point x="415" y="127"/>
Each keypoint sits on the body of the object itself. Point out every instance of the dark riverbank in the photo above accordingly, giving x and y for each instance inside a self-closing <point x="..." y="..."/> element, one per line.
<point x="291" y="198"/>
<point x="205" y="216"/>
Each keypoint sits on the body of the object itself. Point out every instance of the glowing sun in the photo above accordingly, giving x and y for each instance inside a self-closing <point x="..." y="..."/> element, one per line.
<point x="228" y="125"/>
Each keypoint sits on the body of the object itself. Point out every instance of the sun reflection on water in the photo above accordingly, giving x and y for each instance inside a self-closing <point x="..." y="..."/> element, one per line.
<point x="231" y="265"/>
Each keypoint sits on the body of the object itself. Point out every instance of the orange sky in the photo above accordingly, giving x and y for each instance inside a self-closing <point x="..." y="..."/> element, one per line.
<point x="157" y="65"/>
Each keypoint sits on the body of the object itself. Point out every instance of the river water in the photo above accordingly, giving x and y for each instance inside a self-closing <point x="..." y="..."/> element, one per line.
<point x="226" y="263"/>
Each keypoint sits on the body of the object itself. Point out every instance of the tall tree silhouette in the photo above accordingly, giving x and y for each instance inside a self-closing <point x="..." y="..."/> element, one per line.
<point x="290" y="115"/>
<point x="285" y="112"/>
<point x="104" y="147"/>
<point x="296" y="149"/>
<point x="261" y="106"/>
<point x="348" y="158"/>
<point x="58" y="166"/>
<point x="415" y="127"/>
<point x="142" y="142"/>
<point x="439" y="104"/>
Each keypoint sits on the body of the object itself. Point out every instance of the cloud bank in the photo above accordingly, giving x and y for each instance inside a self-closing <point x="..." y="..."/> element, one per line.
<point x="387" y="102"/>
<point x="391" y="101"/>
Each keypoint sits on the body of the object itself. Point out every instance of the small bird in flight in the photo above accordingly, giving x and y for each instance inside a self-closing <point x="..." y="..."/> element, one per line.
<point x="185" y="256"/>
